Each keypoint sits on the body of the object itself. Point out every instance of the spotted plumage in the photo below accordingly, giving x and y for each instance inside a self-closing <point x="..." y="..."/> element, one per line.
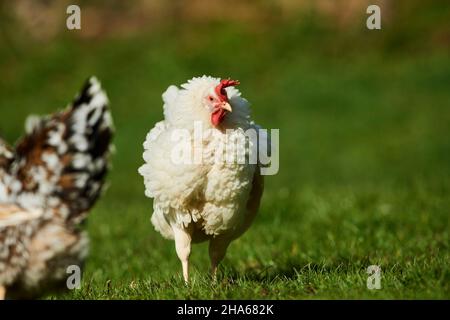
<point x="17" y="227"/>
<point x="58" y="167"/>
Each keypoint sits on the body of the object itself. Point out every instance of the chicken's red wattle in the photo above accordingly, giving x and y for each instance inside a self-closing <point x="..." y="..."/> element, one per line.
<point x="218" y="116"/>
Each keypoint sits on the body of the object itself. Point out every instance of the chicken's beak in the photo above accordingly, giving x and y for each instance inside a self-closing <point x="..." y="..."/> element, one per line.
<point x="226" y="106"/>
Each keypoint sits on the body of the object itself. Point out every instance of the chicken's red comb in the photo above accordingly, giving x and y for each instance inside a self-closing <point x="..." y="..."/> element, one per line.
<point x="220" y="88"/>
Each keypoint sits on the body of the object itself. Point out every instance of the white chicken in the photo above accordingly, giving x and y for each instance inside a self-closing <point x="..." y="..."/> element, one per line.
<point x="214" y="199"/>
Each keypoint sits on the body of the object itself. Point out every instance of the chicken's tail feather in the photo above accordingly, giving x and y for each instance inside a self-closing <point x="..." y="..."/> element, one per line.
<point x="6" y="156"/>
<point x="62" y="162"/>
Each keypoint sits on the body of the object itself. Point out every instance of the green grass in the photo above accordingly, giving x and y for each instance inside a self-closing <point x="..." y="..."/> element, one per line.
<point x="364" y="175"/>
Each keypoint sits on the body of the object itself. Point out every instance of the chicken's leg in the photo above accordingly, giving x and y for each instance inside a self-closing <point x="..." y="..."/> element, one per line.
<point x="217" y="250"/>
<point x="2" y="292"/>
<point x="183" y="246"/>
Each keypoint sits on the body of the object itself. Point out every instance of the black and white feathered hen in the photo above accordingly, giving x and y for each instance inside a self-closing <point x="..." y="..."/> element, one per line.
<point x="48" y="184"/>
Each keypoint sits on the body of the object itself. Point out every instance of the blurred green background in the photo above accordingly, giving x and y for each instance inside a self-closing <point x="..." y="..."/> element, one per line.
<point x="364" y="119"/>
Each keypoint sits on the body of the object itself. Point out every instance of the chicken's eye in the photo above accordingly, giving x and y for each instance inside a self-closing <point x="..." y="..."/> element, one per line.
<point x="211" y="98"/>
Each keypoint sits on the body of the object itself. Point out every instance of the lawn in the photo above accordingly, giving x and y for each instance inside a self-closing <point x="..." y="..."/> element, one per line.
<point x="364" y="161"/>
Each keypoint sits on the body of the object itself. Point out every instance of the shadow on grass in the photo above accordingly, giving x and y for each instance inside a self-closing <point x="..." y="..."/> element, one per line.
<point x="294" y="269"/>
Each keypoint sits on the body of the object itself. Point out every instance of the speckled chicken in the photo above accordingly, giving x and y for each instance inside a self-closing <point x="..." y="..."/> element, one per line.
<point x="203" y="198"/>
<point x="58" y="170"/>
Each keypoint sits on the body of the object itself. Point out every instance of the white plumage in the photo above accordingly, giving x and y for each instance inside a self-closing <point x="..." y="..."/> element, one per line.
<point x="217" y="197"/>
